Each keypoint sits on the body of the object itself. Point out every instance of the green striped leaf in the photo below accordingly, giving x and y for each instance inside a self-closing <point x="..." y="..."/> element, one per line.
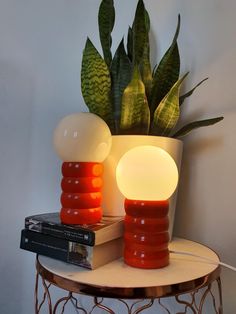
<point x="195" y="125"/>
<point x="146" y="18"/>
<point x="106" y="20"/>
<point x="96" y="84"/>
<point x="121" y="73"/>
<point x="168" y="111"/>
<point x="145" y="65"/>
<point x="183" y="97"/>
<point x="147" y="21"/>
<point x="167" y="72"/>
<point x="130" y="44"/>
<point x="146" y="71"/>
<point x="140" y="32"/>
<point x="135" y="116"/>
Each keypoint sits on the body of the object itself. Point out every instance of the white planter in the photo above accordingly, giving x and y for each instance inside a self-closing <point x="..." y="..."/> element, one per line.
<point x="112" y="198"/>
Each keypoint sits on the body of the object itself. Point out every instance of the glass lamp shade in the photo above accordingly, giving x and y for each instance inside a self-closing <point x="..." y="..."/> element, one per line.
<point x="82" y="137"/>
<point x="147" y="173"/>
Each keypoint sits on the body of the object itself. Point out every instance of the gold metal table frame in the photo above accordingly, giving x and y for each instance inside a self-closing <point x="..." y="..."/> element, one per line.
<point x="205" y="286"/>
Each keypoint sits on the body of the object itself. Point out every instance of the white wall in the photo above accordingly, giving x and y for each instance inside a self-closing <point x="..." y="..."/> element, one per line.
<point x="41" y="46"/>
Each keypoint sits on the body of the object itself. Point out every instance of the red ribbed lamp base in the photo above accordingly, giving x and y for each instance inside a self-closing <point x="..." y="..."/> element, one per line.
<point x="81" y="193"/>
<point x="146" y="234"/>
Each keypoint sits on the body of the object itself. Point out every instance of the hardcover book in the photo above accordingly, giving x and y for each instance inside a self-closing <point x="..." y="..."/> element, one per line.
<point x="71" y="252"/>
<point x="108" y="229"/>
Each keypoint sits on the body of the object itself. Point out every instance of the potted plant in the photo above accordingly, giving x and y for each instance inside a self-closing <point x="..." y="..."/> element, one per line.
<point x="130" y="96"/>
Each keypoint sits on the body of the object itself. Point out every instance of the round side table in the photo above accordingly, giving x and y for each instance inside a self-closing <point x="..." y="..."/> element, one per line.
<point x="186" y="275"/>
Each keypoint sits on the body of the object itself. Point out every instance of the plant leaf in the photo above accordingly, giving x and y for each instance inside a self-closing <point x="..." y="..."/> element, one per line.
<point x="135" y="116"/>
<point x="106" y="20"/>
<point x="154" y="70"/>
<point x="121" y="73"/>
<point x="183" y="97"/>
<point x="147" y="21"/>
<point x="194" y="125"/>
<point x="145" y="65"/>
<point x="167" y="72"/>
<point x="146" y="72"/>
<point x="96" y="84"/>
<point x="140" y="32"/>
<point x="167" y="113"/>
<point x="130" y="44"/>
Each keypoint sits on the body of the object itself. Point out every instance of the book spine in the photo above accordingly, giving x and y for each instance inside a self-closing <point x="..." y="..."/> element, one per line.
<point x="61" y="249"/>
<point x="82" y="236"/>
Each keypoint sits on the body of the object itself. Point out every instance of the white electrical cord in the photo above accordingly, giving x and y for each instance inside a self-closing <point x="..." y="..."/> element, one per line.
<point x="204" y="258"/>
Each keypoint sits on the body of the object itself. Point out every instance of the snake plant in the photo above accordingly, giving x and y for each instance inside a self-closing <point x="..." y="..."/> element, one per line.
<point x="130" y="96"/>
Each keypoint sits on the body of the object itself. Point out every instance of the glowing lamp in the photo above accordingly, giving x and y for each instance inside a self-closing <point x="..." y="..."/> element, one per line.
<point x="147" y="176"/>
<point x="147" y="173"/>
<point x="82" y="141"/>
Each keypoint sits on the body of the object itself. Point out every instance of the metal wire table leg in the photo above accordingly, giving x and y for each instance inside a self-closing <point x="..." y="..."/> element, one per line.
<point x="193" y="304"/>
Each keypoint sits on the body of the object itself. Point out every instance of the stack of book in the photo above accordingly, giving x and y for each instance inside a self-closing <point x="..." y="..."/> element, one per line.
<point x="89" y="246"/>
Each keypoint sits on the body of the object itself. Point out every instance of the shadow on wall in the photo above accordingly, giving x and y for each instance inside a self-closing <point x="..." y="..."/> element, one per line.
<point x="187" y="212"/>
<point x="16" y="97"/>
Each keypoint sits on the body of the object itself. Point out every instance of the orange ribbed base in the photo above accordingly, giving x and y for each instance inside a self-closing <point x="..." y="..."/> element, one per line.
<point x="146" y="234"/>
<point x="81" y="192"/>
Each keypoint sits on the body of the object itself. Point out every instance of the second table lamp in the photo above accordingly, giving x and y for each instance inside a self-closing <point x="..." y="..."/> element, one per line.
<point x="147" y="176"/>
<point x="82" y="141"/>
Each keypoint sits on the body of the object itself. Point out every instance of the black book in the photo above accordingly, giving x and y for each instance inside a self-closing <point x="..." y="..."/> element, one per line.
<point x="108" y="229"/>
<point x="71" y="252"/>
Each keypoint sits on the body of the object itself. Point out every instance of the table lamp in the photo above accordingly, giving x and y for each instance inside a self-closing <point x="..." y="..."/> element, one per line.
<point x="82" y="141"/>
<point x="147" y="176"/>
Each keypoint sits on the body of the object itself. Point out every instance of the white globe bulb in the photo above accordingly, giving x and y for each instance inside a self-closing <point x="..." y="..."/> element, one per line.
<point x="147" y="173"/>
<point x="83" y="137"/>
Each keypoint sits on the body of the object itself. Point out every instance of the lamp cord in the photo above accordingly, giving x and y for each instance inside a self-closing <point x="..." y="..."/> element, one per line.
<point x="204" y="258"/>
